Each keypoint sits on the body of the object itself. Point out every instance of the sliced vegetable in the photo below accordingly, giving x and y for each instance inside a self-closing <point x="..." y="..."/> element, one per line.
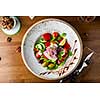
<point x="50" y="66"/>
<point x="62" y="53"/>
<point x="42" y="58"/>
<point x="59" y="56"/>
<point x="36" y="50"/>
<point x="38" y="55"/>
<point x="59" y="38"/>
<point x="62" y="43"/>
<point x="56" y="66"/>
<point x="65" y="56"/>
<point x="43" y="46"/>
<point x="70" y="53"/>
<point x="44" y="64"/>
<point x="46" y="36"/>
<point x="67" y="46"/>
<point x="38" y="46"/>
<point x="65" y="50"/>
<point x="63" y="35"/>
<point x="61" y="64"/>
<point x="55" y="34"/>
<point x="48" y="61"/>
<point x="42" y="40"/>
<point x="47" y="44"/>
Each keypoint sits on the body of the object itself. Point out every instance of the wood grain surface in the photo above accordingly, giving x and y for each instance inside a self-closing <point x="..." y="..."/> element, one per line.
<point x="12" y="68"/>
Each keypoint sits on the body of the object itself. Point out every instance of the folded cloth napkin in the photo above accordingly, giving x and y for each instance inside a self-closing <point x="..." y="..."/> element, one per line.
<point x="70" y="78"/>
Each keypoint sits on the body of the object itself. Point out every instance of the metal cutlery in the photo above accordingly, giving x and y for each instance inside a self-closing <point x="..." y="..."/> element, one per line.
<point x="84" y="63"/>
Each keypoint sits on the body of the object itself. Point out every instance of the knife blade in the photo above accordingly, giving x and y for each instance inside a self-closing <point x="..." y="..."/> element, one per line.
<point x="83" y="64"/>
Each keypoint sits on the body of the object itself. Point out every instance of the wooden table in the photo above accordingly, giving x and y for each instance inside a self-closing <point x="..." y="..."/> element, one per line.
<point x="12" y="68"/>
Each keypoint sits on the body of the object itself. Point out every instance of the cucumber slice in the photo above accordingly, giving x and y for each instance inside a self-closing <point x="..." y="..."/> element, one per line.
<point x="43" y="46"/>
<point x="42" y="40"/>
<point x="38" y="46"/>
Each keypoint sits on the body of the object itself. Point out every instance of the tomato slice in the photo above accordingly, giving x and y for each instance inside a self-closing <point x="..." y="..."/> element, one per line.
<point x="55" y="34"/>
<point x="67" y="46"/>
<point x="46" y="36"/>
<point x="47" y="44"/>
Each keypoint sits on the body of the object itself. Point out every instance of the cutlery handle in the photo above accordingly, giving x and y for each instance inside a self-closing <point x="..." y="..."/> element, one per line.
<point x="71" y="78"/>
<point x="74" y="76"/>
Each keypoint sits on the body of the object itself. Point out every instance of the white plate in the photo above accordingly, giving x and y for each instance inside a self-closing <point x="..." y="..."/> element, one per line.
<point x="51" y="25"/>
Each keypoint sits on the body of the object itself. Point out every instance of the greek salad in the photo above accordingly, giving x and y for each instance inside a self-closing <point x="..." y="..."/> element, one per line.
<point x="52" y="50"/>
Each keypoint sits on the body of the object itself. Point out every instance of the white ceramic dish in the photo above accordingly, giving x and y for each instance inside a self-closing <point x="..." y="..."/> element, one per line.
<point x="51" y="25"/>
<point x="15" y="29"/>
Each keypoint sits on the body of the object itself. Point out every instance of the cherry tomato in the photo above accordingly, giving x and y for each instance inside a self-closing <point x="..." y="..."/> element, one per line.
<point x="55" y="34"/>
<point x="67" y="46"/>
<point x="37" y="55"/>
<point x="46" y="36"/>
<point x="47" y="44"/>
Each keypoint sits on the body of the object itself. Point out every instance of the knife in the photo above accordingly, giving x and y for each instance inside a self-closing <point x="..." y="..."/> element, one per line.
<point x="72" y="77"/>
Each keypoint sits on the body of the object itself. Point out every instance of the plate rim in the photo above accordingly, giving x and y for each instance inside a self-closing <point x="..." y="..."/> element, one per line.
<point x="44" y="20"/>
